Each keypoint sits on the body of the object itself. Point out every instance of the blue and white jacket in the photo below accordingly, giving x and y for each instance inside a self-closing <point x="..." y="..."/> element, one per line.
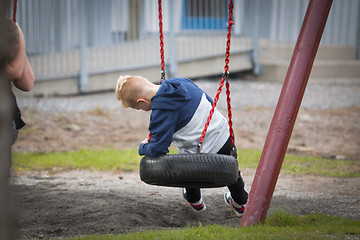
<point x="179" y="112"/>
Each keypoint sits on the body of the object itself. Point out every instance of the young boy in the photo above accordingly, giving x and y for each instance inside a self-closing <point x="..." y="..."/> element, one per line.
<point x="179" y="113"/>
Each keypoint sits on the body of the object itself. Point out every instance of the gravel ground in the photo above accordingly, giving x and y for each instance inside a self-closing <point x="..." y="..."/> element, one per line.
<point x="320" y="94"/>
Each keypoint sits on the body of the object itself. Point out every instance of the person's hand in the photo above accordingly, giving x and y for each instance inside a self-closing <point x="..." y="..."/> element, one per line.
<point x="145" y="140"/>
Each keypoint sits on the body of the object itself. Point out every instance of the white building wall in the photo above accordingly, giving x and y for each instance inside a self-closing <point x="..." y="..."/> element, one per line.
<point x="53" y="25"/>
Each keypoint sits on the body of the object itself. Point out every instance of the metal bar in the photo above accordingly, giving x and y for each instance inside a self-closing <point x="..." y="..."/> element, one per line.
<point x="255" y="37"/>
<point x="84" y="77"/>
<point x="286" y="112"/>
<point x="278" y="32"/>
<point x="172" y="41"/>
<point x="358" y="34"/>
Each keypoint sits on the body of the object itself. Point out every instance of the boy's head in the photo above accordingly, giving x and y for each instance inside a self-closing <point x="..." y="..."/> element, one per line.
<point x="9" y="42"/>
<point x="135" y="92"/>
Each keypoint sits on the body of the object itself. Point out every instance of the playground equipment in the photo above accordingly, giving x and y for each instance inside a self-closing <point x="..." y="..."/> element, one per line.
<point x="286" y="112"/>
<point x="194" y="170"/>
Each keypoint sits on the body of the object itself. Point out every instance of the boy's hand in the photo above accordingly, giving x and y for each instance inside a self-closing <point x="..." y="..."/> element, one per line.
<point x="145" y="140"/>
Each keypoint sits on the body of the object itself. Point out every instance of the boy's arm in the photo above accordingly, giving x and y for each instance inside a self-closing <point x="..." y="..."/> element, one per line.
<point x="162" y="128"/>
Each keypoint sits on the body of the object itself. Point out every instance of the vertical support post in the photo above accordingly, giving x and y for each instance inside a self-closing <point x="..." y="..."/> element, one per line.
<point x="358" y="34"/>
<point x="172" y="40"/>
<point x="141" y="20"/>
<point x="84" y="74"/>
<point x="286" y="112"/>
<point x="255" y="36"/>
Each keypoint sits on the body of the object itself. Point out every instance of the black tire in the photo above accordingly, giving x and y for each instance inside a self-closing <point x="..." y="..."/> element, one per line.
<point x="189" y="170"/>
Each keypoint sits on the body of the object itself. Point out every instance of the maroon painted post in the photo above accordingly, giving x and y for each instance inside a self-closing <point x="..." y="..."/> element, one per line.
<point x="286" y="112"/>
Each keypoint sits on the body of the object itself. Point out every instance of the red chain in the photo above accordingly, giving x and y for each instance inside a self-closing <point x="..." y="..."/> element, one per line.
<point x="229" y="112"/>
<point x="162" y="55"/>
<point x="224" y="77"/>
<point x="14" y="10"/>
<point x="161" y="43"/>
<point x="212" y="109"/>
<point x="230" y="23"/>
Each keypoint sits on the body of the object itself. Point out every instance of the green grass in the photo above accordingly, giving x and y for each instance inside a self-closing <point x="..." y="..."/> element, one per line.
<point x="279" y="226"/>
<point x="89" y="159"/>
<point x="249" y="158"/>
<point x="103" y="160"/>
<point x="128" y="160"/>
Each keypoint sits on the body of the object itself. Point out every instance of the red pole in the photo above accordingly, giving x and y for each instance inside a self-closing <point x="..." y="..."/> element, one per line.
<point x="286" y="112"/>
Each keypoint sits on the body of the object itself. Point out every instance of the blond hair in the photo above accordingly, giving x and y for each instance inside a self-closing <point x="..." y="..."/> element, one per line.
<point x="130" y="88"/>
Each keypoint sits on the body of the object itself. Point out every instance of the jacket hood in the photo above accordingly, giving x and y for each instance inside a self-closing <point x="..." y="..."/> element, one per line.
<point x="170" y="96"/>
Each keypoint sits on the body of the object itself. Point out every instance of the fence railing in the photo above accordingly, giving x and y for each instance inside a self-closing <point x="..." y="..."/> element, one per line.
<point x="75" y="38"/>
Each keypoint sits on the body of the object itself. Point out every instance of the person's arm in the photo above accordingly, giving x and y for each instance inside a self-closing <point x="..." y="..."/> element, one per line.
<point x="19" y="70"/>
<point x="162" y="127"/>
<point x="26" y="82"/>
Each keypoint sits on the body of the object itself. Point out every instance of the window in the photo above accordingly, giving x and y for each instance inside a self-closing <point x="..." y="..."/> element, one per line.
<point x="204" y="14"/>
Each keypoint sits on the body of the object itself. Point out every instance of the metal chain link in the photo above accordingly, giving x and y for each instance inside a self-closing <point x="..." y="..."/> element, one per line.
<point x="162" y="55"/>
<point x="14" y="10"/>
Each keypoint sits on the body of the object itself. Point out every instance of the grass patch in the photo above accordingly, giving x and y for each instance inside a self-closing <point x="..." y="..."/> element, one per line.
<point x="103" y="160"/>
<point x="249" y="158"/>
<point x="128" y="160"/>
<point x="279" y="226"/>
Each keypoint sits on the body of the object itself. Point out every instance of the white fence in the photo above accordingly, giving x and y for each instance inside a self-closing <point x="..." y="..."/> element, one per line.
<point x="77" y="38"/>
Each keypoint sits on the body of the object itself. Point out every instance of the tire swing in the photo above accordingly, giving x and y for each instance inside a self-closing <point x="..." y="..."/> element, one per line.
<point x="200" y="170"/>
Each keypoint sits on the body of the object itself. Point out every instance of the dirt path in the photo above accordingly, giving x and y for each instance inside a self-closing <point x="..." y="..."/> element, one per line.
<point x="82" y="202"/>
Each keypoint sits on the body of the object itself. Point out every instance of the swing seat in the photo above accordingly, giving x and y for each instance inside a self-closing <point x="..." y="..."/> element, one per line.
<point x="190" y="170"/>
<point x="193" y="170"/>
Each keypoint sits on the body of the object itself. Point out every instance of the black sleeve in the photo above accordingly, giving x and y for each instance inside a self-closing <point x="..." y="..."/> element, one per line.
<point x="16" y="113"/>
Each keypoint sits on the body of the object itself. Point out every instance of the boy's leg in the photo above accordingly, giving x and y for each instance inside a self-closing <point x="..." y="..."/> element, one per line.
<point x="237" y="197"/>
<point x="238" y="192"/>
<point x="193" y="195"/>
